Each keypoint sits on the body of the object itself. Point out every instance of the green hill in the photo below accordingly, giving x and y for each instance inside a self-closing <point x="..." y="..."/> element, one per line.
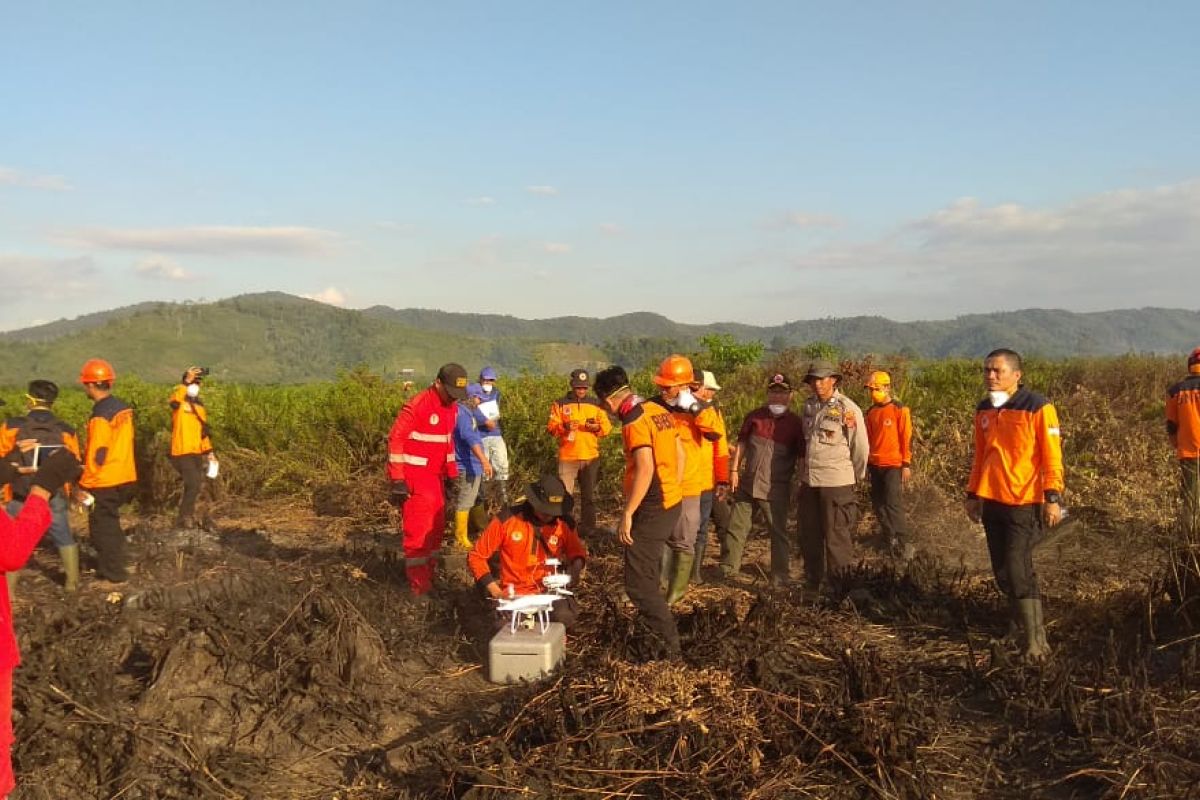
<point x="278" y="338"/>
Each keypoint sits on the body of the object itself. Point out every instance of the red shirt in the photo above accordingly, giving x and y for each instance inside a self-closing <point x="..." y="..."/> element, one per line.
<point x="18" y="537"/>
<point x="420" y="443"/>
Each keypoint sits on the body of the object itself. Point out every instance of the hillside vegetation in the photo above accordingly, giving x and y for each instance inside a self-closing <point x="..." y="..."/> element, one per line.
<point x="278" y="338"/>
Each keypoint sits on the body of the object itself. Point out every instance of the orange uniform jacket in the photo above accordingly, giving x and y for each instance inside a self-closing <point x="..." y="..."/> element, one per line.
<point x="189" y="424"/>
<point x="10" y="433"/>
<point x="889" y="432"/>
<point x="109" y="458"/>
<point x="420" y="444"/>
<point x="584" y="445"/>
<point x="524" y="547"/>
<point x="701" y="433"/>
<point x="1018" y="451"/>
<point x="650" y="424"/>
<point x="1183" y="416"/>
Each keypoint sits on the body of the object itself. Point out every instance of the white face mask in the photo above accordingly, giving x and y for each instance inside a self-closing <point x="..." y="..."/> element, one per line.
<point x="776" y="409"/>
<point x="685" y="399"/>
<point x="998" y="398"/>
<point x="193" y="389"/>
<point x="487" y="388"/>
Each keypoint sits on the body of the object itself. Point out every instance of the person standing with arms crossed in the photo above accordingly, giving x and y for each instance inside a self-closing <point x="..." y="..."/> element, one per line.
<point x="653" y="472"/>
<point x="1015" y="488"/>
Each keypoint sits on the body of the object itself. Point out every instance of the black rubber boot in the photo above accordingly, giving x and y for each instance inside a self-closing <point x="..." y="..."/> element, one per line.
<point x="1035" y="649"/>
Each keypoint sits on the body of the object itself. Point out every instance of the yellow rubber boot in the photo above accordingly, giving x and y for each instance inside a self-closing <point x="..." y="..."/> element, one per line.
<point x="460" y="530"/>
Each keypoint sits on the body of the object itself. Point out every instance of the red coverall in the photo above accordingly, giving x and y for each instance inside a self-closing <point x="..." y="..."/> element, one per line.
<point x="18" y="537"/>
<point x="421" y="452"/>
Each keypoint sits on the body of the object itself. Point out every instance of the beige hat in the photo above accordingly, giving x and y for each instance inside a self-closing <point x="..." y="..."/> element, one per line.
<point x="709" y="381"/>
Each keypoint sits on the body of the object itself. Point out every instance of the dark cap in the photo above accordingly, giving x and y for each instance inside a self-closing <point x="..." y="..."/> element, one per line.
<point x="821" y="368"/>
<point x="609" y="380"/>
<point x="43" y="391"/>
<point x="778" y="382"/>
<point x="454" y="379"/>
<point x="580" y="379"/>
<point x="549" y="496"/>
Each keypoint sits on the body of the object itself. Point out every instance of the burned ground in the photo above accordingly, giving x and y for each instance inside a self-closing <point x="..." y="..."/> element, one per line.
<point x="282" y="660"/>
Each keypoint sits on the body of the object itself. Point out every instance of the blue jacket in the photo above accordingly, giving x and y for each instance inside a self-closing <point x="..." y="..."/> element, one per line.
<point x="466" y="436"/>
<point x="475" y="390"/>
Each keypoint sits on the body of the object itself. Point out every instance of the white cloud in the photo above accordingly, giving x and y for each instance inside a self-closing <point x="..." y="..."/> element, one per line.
<point x="1116" y="249"/>
<point x="162" y="268"/>
<point x="28" y="278"/>
<point x="330" y="296"/>
<point x="556" y="247"/>
<point x="482" y="200"/>
<point x="27" y="180"/>
<point x="542" y="189"/>
<point x="611" y="229"/>
<point x="209" y="240"/>
<point x="803" y="220"/>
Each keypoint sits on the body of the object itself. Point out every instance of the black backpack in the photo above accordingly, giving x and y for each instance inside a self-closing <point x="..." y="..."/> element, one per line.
<point x="48" y="430"/>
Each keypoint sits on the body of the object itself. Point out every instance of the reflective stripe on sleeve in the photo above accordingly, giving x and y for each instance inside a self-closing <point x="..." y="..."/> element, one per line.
<point x="409" y="458"/>
<point x="395" y="458"/>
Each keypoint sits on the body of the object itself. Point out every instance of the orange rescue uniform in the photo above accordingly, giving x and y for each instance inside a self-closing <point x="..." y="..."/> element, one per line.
<point x="524" y="547"/>
<point x="889" y="432"/>
<point x="584" y="445"/>
<point x="1183" y="417"/>
<point x="705" y="448"/>
<point x="1018" y="451"/>
<point x="651" y="424"/>
<point x="189" y="424"/>
<point x="109" y="459"/>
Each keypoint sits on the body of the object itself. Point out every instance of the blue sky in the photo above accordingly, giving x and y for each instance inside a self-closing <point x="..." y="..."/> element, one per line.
<point x="759" y="162"/>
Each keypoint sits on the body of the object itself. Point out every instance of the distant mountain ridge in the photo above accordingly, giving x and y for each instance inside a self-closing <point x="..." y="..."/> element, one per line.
<point x="276" y="337"/>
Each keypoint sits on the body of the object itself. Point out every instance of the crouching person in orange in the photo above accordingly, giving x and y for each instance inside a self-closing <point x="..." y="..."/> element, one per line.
<point x="420" y="454"/>
<point x="18" y="538"/>
<point x="109" y="470"/>
<point x="538" y="527"/>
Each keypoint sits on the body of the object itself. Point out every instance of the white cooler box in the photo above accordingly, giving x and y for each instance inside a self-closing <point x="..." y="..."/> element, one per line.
<point x="526" y="653"/>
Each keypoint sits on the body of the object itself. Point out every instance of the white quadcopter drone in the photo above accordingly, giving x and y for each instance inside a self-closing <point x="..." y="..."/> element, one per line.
<point x="537" y="607"/>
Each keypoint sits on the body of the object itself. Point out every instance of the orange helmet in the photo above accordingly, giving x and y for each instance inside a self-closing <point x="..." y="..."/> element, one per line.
<point x="675" y="370"/>
<point x="97" y="370"/>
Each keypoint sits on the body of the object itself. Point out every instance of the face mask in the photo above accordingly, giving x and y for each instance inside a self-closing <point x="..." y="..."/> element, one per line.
<point x="685" y="399"/>
<point x="193" y="389"/>
<point x="487" y="388"/>
<point x="776" y="409"/>
<point x="998" y="398"/>
<point x="879" y="396"/>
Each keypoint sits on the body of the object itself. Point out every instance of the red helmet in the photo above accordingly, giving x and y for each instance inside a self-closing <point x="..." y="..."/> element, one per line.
<point x="97" y="370"/>
<point x="675" y="370"/>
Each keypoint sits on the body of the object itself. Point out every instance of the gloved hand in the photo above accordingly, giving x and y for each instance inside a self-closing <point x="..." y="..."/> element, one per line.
<point x="399" y="493"/>
<point x="60" y="468"/>
<point x="8" y="471"/>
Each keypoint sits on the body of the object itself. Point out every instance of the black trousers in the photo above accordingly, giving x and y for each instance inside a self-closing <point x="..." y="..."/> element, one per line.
<point x="827" y="516"/>
<point x="1189" y="490"/>
<point x="104" y="525"/>
<point x="589" y="476"/>
<point x="1012" y="531"/>
<point x="191" y="468"/>
<point x="643" y="562"/>
<point x="887" y="499"/>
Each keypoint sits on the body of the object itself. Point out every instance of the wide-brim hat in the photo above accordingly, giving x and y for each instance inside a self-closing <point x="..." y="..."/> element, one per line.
<point x="549" y="496"/>
<point x="821" y="368"/>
